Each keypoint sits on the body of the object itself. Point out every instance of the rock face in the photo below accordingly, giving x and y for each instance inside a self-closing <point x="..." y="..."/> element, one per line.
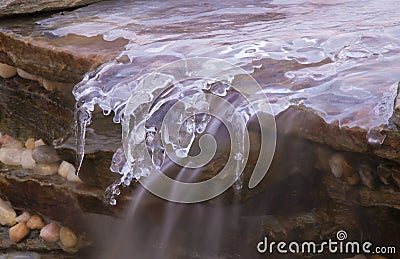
<point x="11" y="7"/>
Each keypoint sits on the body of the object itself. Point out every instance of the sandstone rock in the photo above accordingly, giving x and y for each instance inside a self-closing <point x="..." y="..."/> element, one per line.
<point x="11" y="155"/>
<point x="7" y="214"/>
<point x="11" y="7"/>
<point x="45" y="155"/>
<point x="68" y="238"/>
<point x="24" y="217"/>
<point x="18" y="232"/>
<point x="7" y="71"/>
<point x="30" y="143"/>
<point x="65" y="169"/>
<point x="27" y="161"/>
<point x="46" y="169"/>
<point x="54" y="85"/>
<point x="35" y="222"/>
<point x="50" y="232"/>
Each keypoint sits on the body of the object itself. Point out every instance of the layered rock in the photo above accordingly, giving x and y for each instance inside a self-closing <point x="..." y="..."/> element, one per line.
<point x="12" y="7"/>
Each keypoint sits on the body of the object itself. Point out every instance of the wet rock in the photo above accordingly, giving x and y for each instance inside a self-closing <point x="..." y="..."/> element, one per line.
<point x="11" y="155"/>
<point x="30" y="143"/>
<point x="65" y="169"/>
<point x="45" y="155"/>
<point x="24" y="217"/>
<point x="68" y="238"/>
<point x="50" y="232"/>
<point x="46" y="169"/>
<point x="349" y="174"/>
<point x="35" y="222"/>
<point x="384" y="173"/>
<point x="336" y="164"/>
<point x="7" y="71"/>
<point x="367" y="176"/>
<point x="18" y="232"/>
<point x="27" y="160"/>
<point x="7" y="214"/>
<point x="396" y="175"/>
<point x="11" y="7"/>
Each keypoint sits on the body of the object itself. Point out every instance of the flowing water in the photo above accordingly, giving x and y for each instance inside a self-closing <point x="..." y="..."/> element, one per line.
<point x="337" y="57"/>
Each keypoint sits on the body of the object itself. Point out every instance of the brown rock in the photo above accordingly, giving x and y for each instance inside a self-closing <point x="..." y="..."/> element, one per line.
<point x="7" y="71"/>
<point x="384" y="173"/>
<point x="35" y="222"/>
<point x="68" y="238"/>
<point x="18" y="232"/>
<point x="30" y="143"/>
<point x="11" y="7"/>
<point x="50" y="232"/>
<point x="24" y="217"/>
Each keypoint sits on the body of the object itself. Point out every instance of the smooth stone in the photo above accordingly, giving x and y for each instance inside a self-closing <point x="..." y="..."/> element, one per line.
<point x="26" y="75"/>
<point x="50" y="232"/>
<point x="39" y="142"/>
<point x="11" y="155"/>
<point x="68" y="238"/>
<point x="27" y="160"/>
<point x="24" y="217"/>
<point x="336" y="164"/>
<point x="65" y="169"/>
<point x="18" y="232"/>
<point x="384" y="173"/>
<point x="7" y="71"/>
<point x="7" y="214"/>
<point x="46" y="169"/>
<point x="54" y="85"/>
<point x="35" y="222"/>
<point x="30" y="143"/>
<point x="72" y="177"/>
<point x="11" y="142"/>
<point x="45" y="155"/>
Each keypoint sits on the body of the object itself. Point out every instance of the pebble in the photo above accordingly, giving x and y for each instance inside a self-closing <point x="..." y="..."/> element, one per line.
<point x="72" y="177"/>
<point x="30" y="143"/>
<point x="39" y="142"/>
<point x="384" y="173"/>
<point x="26" y="75"/>
<point x="50" y="232"/>
<point x="366" y="176"/>
<point x="27" y="160"/>
<point x="46" y="169"/>
<point x="54" y="85"/>
<point x="35" y="222"/>
<point x="336" y="164"/>
<point x="65" y="169"/>
<point x="18" y="232"/>
<point x="24" y="217"/>
<point x="11" y="155"/>
<point x="68" y="238"/>
<point x="7" y="214"/>
<point x="7" y="71"/>
<point x="11" y="142"/>
<point x="45" y="154"/>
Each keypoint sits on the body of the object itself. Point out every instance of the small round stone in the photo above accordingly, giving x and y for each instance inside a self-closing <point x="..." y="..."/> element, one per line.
<point x="46" y="169"/>
<point x="35" y="222"/>
<point x="68" y="238"/>
<point x="336" y="164"/>
<point x="7" y="214"/>
<point x="11" y="155"/>
<point x="18" y="232"/>
<point x="27" y="160"/>
<point x="39" y="142"/>
<point x="50" y="232"/>
<point x="65" y="169"/>
<point x="24" y="217"/>
<point x="45" y="155"/>
<point x="7" y="71"/>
